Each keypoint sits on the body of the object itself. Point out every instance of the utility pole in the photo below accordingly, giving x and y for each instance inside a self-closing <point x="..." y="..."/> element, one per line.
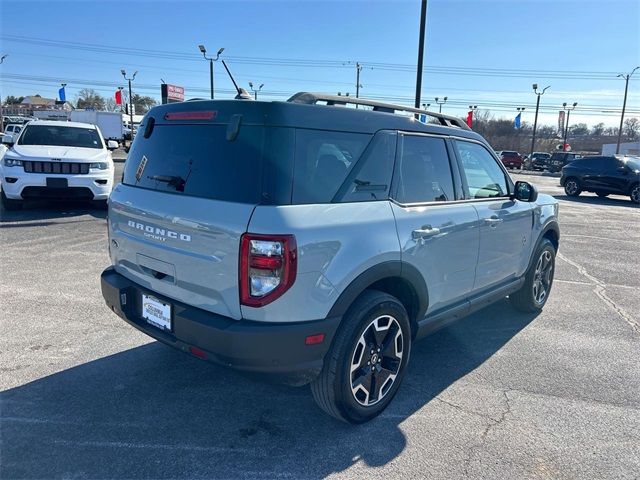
<point x="358" y="70"/>
<point x="423" y="25"/>
<point x="566" y="127"/>
<point x="124" y="74"/>
<point x="624" y="106"/>
<point x="1" y="118"/>
<point x="535" y="121"/>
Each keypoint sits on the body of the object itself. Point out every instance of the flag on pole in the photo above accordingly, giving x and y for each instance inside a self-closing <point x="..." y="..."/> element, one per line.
<point x="61" y="94"/>
<point x="118" y="97"/>
<point x="516" y="122"/>
<point x="470" y="118"/>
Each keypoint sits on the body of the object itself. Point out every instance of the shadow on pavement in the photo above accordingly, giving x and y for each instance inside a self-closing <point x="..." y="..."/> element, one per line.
<point x="37" y="212"/>
<point x="618" y="200"/>
<point x="153" y="412"/>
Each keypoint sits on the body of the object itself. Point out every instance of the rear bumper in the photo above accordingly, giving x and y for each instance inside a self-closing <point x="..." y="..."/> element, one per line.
<point x="275" y="349"/>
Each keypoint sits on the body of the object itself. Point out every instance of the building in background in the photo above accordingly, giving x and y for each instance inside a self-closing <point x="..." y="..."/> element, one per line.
<point x="628" y="148"/>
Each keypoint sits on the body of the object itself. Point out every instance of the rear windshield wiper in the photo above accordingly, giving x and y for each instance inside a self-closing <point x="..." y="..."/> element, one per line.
<point x="171" y="180"/>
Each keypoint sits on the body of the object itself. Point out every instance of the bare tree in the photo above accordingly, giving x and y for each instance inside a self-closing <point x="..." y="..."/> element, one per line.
<point x="631" y="128"/>
<point x="89" y="98"/>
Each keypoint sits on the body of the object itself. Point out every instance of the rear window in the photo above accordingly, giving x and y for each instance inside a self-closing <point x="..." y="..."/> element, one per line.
<point x="509" y="154"/>
<point x="54" y="135"/>
<point x="198" y="160"/>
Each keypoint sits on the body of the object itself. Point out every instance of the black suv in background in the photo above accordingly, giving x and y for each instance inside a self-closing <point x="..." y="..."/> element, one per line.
<point x="539" y="160"/>
<point x="603" y="176"/>
<point x="560" y="159"/>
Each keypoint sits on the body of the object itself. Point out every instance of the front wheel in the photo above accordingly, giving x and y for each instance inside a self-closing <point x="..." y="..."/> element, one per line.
<point x="635" y="193"/>
<point x="538" y="280"/>
<point x="572" y="187"/>
<point x="363" y="370"/>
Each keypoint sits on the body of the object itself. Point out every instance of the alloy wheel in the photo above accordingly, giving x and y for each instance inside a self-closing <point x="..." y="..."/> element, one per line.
<point x="635" y="194"/>
<point x="376" y="360"/>
<point x="571" y="187"/>
<point x="542" y="277"/>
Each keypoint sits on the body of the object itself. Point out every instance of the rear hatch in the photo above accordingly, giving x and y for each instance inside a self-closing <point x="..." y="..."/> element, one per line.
<point x="190" y="184"/>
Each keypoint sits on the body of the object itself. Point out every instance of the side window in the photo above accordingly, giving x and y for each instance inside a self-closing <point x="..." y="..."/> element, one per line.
<point x="370" y="178"/>
<point x="424" y="171"/>
<point x="485" y="178"/>
<point x="610" y="163"/>
<point x="323" y="160"/>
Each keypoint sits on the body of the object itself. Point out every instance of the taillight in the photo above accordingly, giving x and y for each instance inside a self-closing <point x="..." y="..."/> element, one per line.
<point x="268" y="265"/>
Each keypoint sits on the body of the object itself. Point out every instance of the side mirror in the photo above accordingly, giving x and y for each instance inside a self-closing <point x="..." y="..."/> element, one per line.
<point x="7" y="139"/>
<point x="112" y="145"/>
<point x="525" y="192"/>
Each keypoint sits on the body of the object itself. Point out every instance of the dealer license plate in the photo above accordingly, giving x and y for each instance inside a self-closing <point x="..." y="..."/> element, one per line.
<point x="156" y="313"/>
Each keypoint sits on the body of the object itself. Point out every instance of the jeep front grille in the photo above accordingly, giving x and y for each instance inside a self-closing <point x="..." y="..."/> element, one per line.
<point x="62" y="168"/>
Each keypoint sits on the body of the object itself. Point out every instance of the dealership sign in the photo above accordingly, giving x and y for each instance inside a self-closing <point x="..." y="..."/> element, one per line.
<point x="171" y="93"/>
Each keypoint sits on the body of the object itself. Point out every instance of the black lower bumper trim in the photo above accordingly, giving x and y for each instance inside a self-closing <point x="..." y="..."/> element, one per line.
<point x="276" y="349"/>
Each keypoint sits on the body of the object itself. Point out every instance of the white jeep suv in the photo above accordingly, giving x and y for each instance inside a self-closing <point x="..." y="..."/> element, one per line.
<point x="57" y="160"/>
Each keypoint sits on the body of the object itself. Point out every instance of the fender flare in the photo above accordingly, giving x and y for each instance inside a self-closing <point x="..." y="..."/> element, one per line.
<point x="551" y="226"/>
<point x="389" y="269"/>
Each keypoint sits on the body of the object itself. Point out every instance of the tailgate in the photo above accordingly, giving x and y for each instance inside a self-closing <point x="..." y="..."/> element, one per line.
<point x="185" y="248"/>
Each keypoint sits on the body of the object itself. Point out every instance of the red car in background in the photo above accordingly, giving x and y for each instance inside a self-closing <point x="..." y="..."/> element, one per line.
<point x="511" y="159"/>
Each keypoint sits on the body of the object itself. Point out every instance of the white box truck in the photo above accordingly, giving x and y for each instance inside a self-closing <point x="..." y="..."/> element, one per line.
<point x="109" y="123"/>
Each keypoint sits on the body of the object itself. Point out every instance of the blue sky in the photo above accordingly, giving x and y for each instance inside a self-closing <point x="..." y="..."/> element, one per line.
<point x="482" y="52"/>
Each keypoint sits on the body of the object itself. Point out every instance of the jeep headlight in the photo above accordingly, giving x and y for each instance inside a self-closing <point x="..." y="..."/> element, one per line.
<point x="99" y="166"/>
<point x="12" y="162"/>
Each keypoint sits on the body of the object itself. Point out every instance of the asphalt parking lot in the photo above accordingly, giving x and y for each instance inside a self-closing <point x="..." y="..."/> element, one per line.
<point x="498" y="395"/>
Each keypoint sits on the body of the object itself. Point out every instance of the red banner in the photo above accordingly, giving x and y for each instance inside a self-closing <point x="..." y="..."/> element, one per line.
<point x="118" y="96"/>
<point x="470" y="118"/>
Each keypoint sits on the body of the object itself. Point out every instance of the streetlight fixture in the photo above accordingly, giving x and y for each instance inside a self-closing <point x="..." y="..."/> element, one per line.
<point x="566" y="127"/>
<point x="624" y="105"/>
<point x="440" y="103"/>
<point x="203" y="50"/>
<point x="425" y="106"/>
<point x="535" y="121"/>
<point x="254" y="90"/>
<point x="130" y="79"/>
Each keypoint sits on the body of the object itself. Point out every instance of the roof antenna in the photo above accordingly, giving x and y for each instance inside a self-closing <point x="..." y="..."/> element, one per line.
<point x="242" y="93"/>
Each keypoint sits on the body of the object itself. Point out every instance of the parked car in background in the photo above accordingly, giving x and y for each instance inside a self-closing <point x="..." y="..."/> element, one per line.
<point x="511" y="159"/>
<point x="11" y="132"/>
<point x="539" y="161"/>
<point x="57" y="160"/>
<point x="603" y="176"/>
<point x="560" y="159"/>
<point x="314" y="243"/>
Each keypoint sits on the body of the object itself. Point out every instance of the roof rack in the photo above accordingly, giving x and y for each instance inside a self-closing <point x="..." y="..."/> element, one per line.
<point x="309" y="98"/>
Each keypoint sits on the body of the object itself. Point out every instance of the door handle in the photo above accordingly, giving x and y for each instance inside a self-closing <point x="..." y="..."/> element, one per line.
<point x="493" y="221"/>
<point x="425" y="232"/>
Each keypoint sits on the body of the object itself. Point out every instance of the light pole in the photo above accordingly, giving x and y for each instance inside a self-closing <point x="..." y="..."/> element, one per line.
<point x="440" y="103"/>
<point x="423" y="24"/>
<point x="211" y="60"/>
<point x="121" y="102"/>
<point x="535" y="121"/>
<point x="254" y="90"/>
<point x="1" y="118"/>
<point x="566" y="127"/>
<point x="425" y="106"/>
<point x="124" y="74"/>
<point x="624" y="105"/>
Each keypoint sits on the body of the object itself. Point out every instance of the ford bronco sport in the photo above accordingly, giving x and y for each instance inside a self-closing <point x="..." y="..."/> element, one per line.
<point x="313" y="241"/>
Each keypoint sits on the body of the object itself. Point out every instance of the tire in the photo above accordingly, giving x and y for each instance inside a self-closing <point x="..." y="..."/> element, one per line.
<point x="10" y="204"/>
<point x="534" y="293"/>
<point x="634" y="193"/>
<point x="602" y="194"/>
<point x="572" y="187"/>
<point x="333" y="390"/>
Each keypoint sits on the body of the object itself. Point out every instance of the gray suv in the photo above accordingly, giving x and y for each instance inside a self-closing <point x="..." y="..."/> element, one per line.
<point x="313" y="242"/>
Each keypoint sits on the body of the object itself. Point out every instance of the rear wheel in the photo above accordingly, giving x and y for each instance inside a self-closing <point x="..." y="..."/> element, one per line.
<point x="364" y="368"/>
<point x="572" y="187"/>
<point x="538" y="280"/>
<point x="10" y="204"/>
<point x="635" y="193"/>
